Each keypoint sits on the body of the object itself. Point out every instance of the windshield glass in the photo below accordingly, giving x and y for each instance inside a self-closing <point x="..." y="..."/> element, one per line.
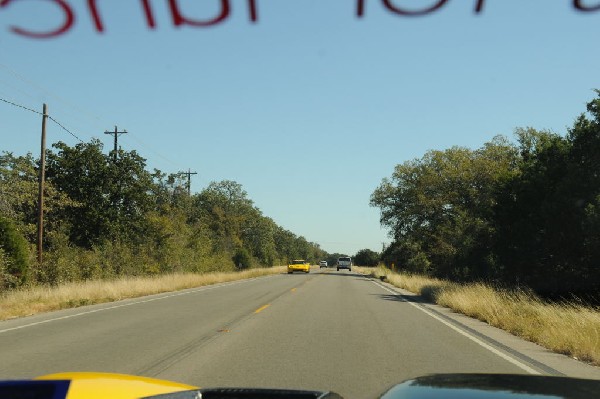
<point x="173" y="173"/>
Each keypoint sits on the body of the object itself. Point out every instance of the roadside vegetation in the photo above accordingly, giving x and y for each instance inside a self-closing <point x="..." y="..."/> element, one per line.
<point x="108" y="217"/>
<point x="569" y="328"/>
<point x="515" y="215"/>
<point x="39" y="299"/>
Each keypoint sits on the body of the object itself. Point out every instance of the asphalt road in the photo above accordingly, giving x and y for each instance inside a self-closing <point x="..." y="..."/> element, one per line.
<point x="325" y="330"/>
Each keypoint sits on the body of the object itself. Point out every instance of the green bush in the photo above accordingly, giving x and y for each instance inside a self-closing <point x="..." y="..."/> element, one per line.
<point x="7" y="280"/>
<point x="242" y="259"/>
<point x="15" y="248"/>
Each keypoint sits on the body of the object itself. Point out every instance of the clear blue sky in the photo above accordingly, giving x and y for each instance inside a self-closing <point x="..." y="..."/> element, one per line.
<point x="310" y="107"/>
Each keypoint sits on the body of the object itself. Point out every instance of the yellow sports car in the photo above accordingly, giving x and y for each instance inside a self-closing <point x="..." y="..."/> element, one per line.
<point x="90" y="386"/>
<point x="299" y="265"/>
<point x="119" y="386"/>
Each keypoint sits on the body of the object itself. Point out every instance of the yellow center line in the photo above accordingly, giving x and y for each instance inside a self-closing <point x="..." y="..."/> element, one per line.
<point x="262" y="308"/>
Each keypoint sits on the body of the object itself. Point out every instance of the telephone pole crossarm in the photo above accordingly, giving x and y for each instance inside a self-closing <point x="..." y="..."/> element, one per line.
<point x="189" y="174"/>
<point x="116" y="133"/>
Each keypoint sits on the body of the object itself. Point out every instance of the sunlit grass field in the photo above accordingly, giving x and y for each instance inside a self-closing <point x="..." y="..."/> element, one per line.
<point x="568" y="328"/>
<point x="29" y="301"/>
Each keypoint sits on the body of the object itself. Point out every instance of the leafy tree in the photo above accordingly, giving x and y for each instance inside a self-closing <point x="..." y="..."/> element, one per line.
<point x="18" y="188"/>
<point x="547" y="220"/>
<point x="530" y="220"/>
<point x="225" y="207"/>
<point x="258" y="237"/>
<point x="366" y="257"/>
<point x="285" y="244"/>
<point x="111" y="197"/>
<point x="439" y="209"/>
<point x="583" y="186"/>
<point x="526" y="214"/>
<point x="169" y="192"/>
<point x="19" y="199"/>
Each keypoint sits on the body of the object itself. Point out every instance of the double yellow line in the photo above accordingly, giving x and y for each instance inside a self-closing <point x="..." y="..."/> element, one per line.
<point x="268" y="304"/>
<point x="262" y="308"/>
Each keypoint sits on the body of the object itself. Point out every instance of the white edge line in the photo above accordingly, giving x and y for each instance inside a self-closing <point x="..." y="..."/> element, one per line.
<point x="466" y="334"/>
<point x="189" y="291"/>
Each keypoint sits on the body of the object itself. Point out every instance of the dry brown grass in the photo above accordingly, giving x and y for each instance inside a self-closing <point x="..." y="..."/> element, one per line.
<point x="35" y="300"/>
<point x="571" y="329"/>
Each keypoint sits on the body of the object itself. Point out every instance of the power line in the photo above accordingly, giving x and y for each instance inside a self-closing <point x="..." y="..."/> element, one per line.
<point x="116" y="133"/>
<point x="64" y="128"/>
<point x="80" y="112"/>
<point x="39" y="113"/>
<point x="46" y="92"/>
<point x="149" y="149"/>
<point x="21" y="106"/>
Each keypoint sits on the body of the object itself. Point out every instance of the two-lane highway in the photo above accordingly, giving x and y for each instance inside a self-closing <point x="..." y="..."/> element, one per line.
<point x="325" y="330"/>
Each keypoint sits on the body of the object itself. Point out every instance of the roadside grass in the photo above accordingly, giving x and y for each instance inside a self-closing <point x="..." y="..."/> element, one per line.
<point x="568" y="328"/>
<point x="33" y="300"/>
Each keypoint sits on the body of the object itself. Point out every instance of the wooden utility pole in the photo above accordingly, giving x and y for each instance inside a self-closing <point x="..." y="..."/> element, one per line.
<point x="189" y="174"/>
<point x="116" y="133"/>
<point x="42" y="177"/>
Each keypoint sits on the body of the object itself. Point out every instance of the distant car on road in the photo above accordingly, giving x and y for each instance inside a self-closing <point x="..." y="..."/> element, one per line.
<point x="345" y="262"/>
<point x="322" y="263"/>
<point x="298" y="265"/>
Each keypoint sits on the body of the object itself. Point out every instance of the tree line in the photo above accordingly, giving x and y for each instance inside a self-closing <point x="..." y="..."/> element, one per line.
<point x="107" y="215"/>
<point x="517" y="214"/>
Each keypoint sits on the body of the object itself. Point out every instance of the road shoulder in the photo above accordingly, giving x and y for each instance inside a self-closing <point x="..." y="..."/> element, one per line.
<point x="539" y="358"/>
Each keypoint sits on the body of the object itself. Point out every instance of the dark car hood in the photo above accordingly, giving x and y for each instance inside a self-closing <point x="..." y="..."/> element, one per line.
<point x="494" y="386"/>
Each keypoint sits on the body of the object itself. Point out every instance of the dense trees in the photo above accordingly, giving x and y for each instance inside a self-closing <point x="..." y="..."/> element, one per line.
<point x="513" y="213"/>
<point x="108" y="216"/>
<point x="439" y="208"/>
<point x="110" y="195"/>
<point x="518" y="214"/>
<point x="366" y="257"/>
<point x="548" y="215"/>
